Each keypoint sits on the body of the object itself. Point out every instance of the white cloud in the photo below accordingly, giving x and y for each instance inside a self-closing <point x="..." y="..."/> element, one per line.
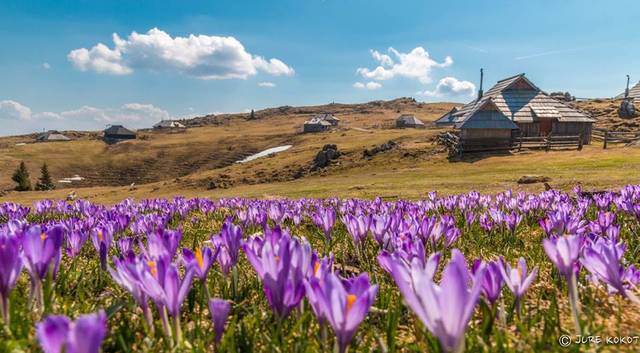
<point x="417" y="65"/>
<point x="369" y="85"/>
<point x="451" y="86"/>
<point x="200" y="56"/>
<point x="46" y="66"/>
<point x="12" y="110"/>
<point x="266" y="84"/>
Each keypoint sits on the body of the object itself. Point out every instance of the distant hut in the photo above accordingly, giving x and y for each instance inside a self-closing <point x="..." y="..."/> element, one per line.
<point x="117" y="133"/>
<point x="533" y="112"/>
<point x="409" y="121"/>
<point x="52" y="136"/>
<point x="316" y="125"/>
<point x="447" y="120"/>
<point x="330" y="118"/>
<point x="634" y="93"/>
<point x="168" y="124"/>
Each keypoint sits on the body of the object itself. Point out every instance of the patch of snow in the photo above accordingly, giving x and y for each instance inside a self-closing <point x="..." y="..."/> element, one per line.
<point x="71" y="179"/>
<point x="265" y="153"/>
<point x="20" y="144"/>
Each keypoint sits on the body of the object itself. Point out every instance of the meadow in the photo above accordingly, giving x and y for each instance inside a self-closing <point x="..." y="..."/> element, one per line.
<point x="508" y="272"/>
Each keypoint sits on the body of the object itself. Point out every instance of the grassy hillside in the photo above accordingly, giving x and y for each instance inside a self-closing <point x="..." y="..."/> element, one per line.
<point x="200" y="162"/>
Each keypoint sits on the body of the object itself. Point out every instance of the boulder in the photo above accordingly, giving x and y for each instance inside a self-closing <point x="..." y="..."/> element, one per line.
<point x="324" y="157"/>
<point x="389" y="145"/>
<point x="627" y="109"/>
<point x="532" y="179"/>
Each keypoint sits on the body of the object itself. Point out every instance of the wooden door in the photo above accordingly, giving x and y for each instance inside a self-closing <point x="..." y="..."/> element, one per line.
<point x="546" y="125"/>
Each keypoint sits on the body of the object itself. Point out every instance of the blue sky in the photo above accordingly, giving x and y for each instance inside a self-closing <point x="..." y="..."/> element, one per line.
<point x="256" y="54"/>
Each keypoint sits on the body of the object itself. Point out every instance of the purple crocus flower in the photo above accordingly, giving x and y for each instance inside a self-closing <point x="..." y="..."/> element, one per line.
<point x="325" y="218"/>
<point x="10" y="268"/>
<point x="85" y="335"/>
<point x="320" y="269"/>
<point x="102" y="238"/>
<point x="492" y="281"/>
<point x="357" y="226"/>
<point x="219" y="310"/>
<point x="127" y="272"/>
<point x="563" y="251"/>
<point x="344" y="303"/>
<point x="445" y="309"/>
<point x="228" y="243"/>
<point x="200" y="260"/>
<point x="162" y="283"/>
<point x="518" y="279"/>
<point x="125" y="244"/>
<point x="603" y="259"/>
<point x="279" y="261"/>
<point x="42" y="251"/>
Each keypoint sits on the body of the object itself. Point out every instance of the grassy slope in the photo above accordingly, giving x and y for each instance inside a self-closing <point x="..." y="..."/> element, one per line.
<point x="205" y="154"/>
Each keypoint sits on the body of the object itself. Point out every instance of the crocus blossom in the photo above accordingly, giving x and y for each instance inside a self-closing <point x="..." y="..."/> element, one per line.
<point x="445" y="308"/>
<point x="344" y="303"/>
<point x="84" y="335"/>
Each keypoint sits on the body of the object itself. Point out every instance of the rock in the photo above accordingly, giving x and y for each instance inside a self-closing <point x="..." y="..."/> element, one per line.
<point x="211" y="185"/>
<point x="532" y="179"/>
<point x="389" y="145"/>
<point x="324" y="157"/>
<point x="72" y="196"/>
<point x="627" y="109"/>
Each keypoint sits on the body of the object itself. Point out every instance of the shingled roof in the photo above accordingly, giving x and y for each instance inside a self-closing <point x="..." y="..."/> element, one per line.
<point x="521" y="101"/>
<point x="118" y="130"/>
<point x="634" y="92"/>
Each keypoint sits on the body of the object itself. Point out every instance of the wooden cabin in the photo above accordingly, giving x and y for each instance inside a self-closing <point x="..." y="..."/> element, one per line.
<point x="409" y="121"/>
<point x="118" y="133"/>
<point x="448" y="119"/>
<point x="531" y="112"/>
<point x="52" y="136"/>
<point x="633" y="93"/>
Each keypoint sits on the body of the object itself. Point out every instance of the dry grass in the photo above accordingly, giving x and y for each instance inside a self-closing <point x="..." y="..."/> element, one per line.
<point x="165" y="165"/>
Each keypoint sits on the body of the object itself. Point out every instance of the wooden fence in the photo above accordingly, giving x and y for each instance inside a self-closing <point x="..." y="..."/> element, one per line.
<point x="457" y="146"/>
<point x="608" y="137"/>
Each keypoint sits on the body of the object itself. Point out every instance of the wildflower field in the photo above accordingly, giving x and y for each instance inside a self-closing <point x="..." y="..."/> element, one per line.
<point x="471" y="272"/>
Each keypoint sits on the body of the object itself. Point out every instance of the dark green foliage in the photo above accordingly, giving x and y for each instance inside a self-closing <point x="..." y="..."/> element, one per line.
<point x="45" y="182"/>
<point x="21" y="177"/>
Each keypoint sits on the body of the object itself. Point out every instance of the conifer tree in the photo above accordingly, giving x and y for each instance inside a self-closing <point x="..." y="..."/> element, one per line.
<point x="45" y="182"/>
<point x="21" y="177"/>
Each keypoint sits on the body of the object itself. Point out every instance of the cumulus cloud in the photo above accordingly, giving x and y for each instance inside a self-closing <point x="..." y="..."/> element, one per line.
<point x="46" y="66"/>
<point x="12" y="110"/>
<point x="451" y="86"/>
<point x="416" y="64"/>
<point x="86" y="117"/>
<point x="266" y="84"/>
<point x="201" y="56"/>
<point x="369" y="85"/>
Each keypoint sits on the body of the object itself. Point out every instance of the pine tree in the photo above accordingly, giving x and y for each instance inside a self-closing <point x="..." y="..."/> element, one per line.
<point x="253" y="115"/>
<point x="21" y="177"/>
<point x="45" y="182"/>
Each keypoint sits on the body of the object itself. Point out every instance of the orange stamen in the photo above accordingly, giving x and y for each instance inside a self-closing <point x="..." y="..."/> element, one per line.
<point x="350" y="300"/>
<point x="153" y="268"/>
<point x="43" y="236"/>
<point x="199" y="258"/>
<point x="100" y="236"/>
<point x="316" y="266"/>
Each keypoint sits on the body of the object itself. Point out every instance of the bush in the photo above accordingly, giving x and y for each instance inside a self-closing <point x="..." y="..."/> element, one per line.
<point x="45" y="182"/>
<point x="21" y="177"/>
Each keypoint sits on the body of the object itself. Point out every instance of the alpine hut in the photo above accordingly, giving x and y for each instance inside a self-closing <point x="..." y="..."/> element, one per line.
<point x="330" y="118"/>
<point x="632" y="93"/>
<point x="52" y="136"/>
<point x="409" y="121"/>
<point x="168" y="124"/>
<point x="447" y="120"/>
<point x="516" y="106"/>
<point x="316" y="125"/>
<point x="118" y="133"/>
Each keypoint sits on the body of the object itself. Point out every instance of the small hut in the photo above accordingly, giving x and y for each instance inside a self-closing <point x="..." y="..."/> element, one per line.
<point x="168" y="124"/>
<point x="633" y="93"/>
<point x="533" y="112"/>
<point x="118" y="133"/>
<point x="316" y="125"/>
<point x="52" y="136"/>
<point x="409" y="121"/>
<point x="447" y="120"/>
<point x="330" y="118"/>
